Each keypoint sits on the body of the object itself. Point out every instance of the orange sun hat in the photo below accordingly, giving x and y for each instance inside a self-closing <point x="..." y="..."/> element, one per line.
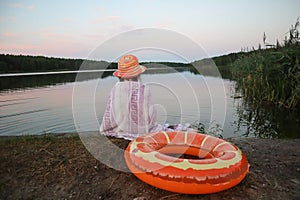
<point x="129" y="67"/>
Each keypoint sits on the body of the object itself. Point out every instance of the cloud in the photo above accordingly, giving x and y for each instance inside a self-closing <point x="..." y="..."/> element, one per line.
<point x="105" y="19"/>
<point x="165" y="24"/>
<point x="68" y="19"/>
<point x="7" y="18"/>
<point x="101" y="34"/>
<point x="17" y="48"/>
<point x="94" y="35"/>
<point x="100" y="9"/>
<point x="20" y="5"/>
<point x="62" y="47"/>
<point x="9" y="34"/>
<point x="48" y="34"/>
<point x="123" y="27"/>
<point x="57" y="48"/>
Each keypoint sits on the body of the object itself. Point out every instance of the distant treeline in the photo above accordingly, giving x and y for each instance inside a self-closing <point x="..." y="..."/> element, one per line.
<point x="23" y="63"/>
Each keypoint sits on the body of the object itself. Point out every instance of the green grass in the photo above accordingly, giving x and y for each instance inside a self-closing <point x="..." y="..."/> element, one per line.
<point x="270" y="75"/>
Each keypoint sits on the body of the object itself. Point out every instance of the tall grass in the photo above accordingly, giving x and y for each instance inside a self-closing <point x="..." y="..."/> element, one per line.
<point x="272" y="75"/>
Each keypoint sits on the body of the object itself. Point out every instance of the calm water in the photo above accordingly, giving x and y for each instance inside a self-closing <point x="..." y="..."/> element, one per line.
<point x="49" y="103"/>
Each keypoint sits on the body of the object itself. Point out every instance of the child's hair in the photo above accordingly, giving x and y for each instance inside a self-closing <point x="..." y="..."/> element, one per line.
<point x="137" y="78"/>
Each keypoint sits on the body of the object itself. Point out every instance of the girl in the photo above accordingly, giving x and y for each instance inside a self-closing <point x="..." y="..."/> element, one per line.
<point x="129" y="112"/>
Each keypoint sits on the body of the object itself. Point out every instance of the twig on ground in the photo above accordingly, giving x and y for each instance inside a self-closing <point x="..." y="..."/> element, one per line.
<point x="113" y="182"/>
<point x="42" y="149"/>
<point x="275" y="183"/>
<point x="169" y="196"/>
<point x="45" y="149"/>
<point x="74" y="158"/>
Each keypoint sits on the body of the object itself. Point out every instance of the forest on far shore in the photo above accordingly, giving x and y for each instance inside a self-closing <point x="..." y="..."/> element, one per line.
<point x="26" y="63"/>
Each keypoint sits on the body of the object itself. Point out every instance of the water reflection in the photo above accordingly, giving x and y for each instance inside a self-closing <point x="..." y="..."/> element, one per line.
<point x="267" y="121"/>
<point x="37" y="109"/>
<point x="21" y="82"/>
<point x="44" y="80"/>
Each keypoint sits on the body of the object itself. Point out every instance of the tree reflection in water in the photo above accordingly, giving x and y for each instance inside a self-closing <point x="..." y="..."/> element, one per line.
<point x="267" y="121"/>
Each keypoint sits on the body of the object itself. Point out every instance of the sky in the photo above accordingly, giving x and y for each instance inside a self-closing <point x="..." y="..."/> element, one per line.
<point x="74" y="29"/>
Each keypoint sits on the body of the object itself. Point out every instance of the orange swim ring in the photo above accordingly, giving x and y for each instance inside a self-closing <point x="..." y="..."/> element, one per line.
<point x="219" y="165"/>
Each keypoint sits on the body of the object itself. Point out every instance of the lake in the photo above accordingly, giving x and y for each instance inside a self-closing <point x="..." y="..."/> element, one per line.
<point x="49" y="102"/>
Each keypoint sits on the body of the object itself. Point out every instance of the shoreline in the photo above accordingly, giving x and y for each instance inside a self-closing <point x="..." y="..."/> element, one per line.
<point x="76" y="134"/>
<point x="59" y="166"/>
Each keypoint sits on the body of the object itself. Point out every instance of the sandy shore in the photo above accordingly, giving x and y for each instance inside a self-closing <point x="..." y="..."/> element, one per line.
<point x="60" y="167"/>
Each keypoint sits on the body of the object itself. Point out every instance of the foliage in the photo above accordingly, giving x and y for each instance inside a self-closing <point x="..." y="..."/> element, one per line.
<point x="23" y="63"/>
<point x="214" y="129"/>
<point x="272" y="75"/>
<point x="14" y="63"/>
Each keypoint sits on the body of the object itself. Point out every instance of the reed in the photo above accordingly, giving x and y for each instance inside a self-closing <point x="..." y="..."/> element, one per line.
<point x="270" y="76"/>
<point x="273" y="74"/>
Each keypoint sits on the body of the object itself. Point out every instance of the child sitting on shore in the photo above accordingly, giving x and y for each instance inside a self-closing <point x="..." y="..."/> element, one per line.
<point x="129" y="112"/>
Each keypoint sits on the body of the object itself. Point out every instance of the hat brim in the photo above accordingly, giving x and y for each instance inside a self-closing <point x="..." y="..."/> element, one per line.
<point x="132" y="73"/>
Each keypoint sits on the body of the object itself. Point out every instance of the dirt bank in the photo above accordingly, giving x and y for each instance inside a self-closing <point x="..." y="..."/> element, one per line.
<point x="59" y="167"/>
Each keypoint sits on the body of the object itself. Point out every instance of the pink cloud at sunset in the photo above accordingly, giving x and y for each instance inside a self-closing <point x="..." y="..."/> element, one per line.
<point x="55" y="48"/>
<point x="60" y="28"/>
<point x="105" y="19"/>
<point x="9" y="34"/>
<point x="20" y="5"/>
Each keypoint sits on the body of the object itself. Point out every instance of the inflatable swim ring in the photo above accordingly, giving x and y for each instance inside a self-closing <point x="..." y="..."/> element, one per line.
<point x="215" y="165"/>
